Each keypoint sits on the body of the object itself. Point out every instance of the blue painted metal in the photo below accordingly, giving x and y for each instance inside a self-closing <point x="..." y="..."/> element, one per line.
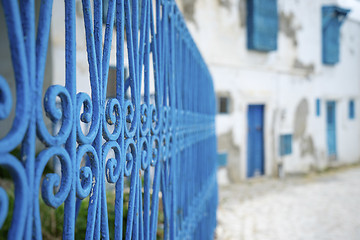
<point x="171" y="143"/>
<point x="255" y="149"/>
<point x="331" y="127"/>
<point x="222" y="159"/>
<point x="262" y="25"/>
<point x="318" y="107"/>
<point x="285" y="144"/>
<point x="332" y="19"/>
<point x="351" y="109"/>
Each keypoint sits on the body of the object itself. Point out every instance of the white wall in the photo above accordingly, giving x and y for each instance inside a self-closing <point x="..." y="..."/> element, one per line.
<point x="281" y="80"/>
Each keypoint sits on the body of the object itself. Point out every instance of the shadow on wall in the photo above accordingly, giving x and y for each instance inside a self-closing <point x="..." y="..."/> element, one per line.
<point x="226" y="143"/>
<point x="189" y="10"/>
<point x="300" y="123"/>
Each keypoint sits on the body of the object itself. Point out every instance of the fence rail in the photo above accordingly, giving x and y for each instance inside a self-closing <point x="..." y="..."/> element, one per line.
<point x="165" y="149"/>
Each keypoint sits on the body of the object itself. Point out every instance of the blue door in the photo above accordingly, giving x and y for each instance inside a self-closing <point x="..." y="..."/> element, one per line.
<point x="255" y="153"/>
<point x="331" y="127"/>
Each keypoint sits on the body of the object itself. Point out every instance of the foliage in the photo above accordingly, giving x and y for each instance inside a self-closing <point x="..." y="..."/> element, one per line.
<point x="52" y="219"/>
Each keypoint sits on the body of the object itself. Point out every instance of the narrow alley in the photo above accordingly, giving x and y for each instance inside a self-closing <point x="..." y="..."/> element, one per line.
<point x="315" y="207"/>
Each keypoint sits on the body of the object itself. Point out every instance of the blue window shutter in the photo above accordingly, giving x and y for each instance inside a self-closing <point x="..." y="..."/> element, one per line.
<point x="332" y="18"/>
<point x="222" y="159"/>
<point x="262" y="25"/>
<point x="317" y="107"/>
<point x="351" y="109"/>
<point x="285" y="144"/>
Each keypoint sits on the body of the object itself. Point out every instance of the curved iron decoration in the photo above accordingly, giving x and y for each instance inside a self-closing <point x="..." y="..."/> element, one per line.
<point x="165" y="147"/>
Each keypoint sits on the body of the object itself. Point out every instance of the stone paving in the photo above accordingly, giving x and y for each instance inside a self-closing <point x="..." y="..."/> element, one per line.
<point x="316" y="207"/>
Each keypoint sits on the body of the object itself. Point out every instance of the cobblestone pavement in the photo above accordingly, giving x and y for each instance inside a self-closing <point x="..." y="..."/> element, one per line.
<point x="317" y="207"/>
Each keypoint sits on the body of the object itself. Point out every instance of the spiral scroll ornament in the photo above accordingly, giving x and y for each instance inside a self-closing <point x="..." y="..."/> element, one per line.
<point x="149" y="150"/>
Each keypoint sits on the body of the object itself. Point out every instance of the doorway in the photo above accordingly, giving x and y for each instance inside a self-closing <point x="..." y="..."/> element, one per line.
<point x="331" y="128"/>
<point x="255" y="143"/>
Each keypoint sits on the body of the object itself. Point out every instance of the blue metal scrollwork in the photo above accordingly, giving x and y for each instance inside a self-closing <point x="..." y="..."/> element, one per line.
<point x="165" y="146"/>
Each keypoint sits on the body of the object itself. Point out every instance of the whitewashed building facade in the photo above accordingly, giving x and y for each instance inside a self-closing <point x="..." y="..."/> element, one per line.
<point x="312" y="106"/>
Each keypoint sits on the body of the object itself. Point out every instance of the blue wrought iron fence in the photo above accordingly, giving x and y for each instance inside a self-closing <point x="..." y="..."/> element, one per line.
<point x="165" y="149"/>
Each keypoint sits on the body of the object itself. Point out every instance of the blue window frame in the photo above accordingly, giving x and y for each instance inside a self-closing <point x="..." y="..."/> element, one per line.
<point x="262" y="25"/>
<point x="222" y="159"/>
<point x="351" y="109"/>
<point x="318" y="106"/>
<point x="223" y="105"/>
<point x="332" y="19"/>
<point x="285" y="144"/>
